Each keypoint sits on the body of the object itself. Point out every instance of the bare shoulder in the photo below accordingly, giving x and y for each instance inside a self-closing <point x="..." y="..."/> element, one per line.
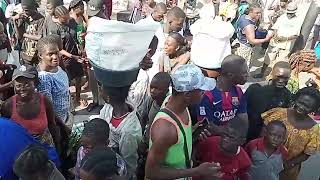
<point x="164" y="131"/>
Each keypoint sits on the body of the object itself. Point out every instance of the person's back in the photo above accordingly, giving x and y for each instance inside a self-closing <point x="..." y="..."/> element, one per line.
<point x="207" y="38"/>
<point x="125" y="127"/>
<point x="14" y="139"/>
<point x="33" y="163"/>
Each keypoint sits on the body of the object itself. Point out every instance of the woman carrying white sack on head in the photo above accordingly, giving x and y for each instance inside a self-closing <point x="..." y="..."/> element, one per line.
<point x="211" y="41"/>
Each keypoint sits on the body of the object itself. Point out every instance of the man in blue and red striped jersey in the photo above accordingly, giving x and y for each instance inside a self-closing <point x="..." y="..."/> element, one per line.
<point x="225" y="101"/>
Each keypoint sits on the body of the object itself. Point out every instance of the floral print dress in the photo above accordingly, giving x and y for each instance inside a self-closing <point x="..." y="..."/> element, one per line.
<point x="298" y="141"/>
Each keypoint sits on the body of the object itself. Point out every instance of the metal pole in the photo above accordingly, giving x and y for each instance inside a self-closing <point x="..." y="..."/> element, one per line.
<point x="307" y="26"/>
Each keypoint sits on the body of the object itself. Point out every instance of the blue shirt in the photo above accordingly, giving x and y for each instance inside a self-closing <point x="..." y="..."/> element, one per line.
<point x="220" y="107"/>
<point x="14" y="139"/>
<point x="56" y="87"/>
<point x="241" y="24"/>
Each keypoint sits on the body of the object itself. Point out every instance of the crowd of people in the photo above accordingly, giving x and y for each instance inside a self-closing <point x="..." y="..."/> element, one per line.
<point x="187" y="115"/>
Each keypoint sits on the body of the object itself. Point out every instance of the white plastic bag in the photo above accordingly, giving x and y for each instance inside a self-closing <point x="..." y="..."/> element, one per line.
<point x="118" y="46"/>
<point x="13" y="58"/>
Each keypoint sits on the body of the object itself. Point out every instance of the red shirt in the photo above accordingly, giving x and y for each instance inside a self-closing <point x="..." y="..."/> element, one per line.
<point x="116" y="121"/>
<point x="258" y="145"/>
<point x="233" y="166"/>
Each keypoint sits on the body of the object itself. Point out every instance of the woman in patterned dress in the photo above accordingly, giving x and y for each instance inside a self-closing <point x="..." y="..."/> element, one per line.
<point x="303" y="137"/>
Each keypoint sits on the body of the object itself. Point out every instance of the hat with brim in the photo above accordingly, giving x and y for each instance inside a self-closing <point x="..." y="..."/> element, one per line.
<point x="292" y="8"/>
<point x="291" y="11"/>
<point x="94" y="7"/>
<point x="27" y="72"/>
<point x="190" y="77"/>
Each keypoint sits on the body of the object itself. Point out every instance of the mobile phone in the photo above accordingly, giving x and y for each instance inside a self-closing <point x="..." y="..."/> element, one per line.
<point x="202" y="126"/>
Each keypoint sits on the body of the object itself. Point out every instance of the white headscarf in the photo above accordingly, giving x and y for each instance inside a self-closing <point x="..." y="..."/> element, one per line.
<point x="207" y="11"/>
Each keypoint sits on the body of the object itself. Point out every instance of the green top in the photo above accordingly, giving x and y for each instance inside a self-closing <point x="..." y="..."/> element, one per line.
<point x="175" y="157"/>
<point x="80" y="29"/>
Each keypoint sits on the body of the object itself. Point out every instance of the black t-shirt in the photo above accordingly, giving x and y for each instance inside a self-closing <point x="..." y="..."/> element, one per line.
<point x="30" y="25"/>
<point x="261" y="99"/>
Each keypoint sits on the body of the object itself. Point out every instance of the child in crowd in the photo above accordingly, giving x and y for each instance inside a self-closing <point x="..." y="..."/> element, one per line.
<point x="72" y="61"/>
<point x="159" y="88"/>
<point x="28" y="30"/>
<point x="125" y="127"/>
<point x="101" y="164"/>
<point x="54" y="82"/>
<point x="268" y="153"/>
<point x="227" y="151"/>
<point x="50" y="20"/>
<point x="33" y="163"/>
<point x="175" y="53"/>
<point x="96" y="135"/>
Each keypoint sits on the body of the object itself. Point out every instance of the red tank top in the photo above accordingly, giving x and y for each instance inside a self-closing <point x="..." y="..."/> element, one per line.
<point x="36" y="125"/>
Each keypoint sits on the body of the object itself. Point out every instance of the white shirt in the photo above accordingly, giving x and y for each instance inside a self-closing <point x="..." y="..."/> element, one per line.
<point x="286" y="28"/>
<point x="317" y="21"/>
<point x="211" y="42"/>
<point x="126" y="137"/>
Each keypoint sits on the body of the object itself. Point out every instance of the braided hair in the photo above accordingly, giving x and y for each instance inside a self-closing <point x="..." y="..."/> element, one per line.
<point x="31" y="162"/>
<point x="97" y="130"/>
<point x="60" y="11"/>
<point x="302" y="61"/>
<point x="100" y="163"/>
<point x="181" y="41"/>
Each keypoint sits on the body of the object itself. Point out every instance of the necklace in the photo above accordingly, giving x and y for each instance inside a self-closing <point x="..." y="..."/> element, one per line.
<point x="121" y="117"/>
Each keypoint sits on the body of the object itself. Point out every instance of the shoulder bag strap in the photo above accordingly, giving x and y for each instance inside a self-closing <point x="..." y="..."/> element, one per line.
<point x="185" y="146"/>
